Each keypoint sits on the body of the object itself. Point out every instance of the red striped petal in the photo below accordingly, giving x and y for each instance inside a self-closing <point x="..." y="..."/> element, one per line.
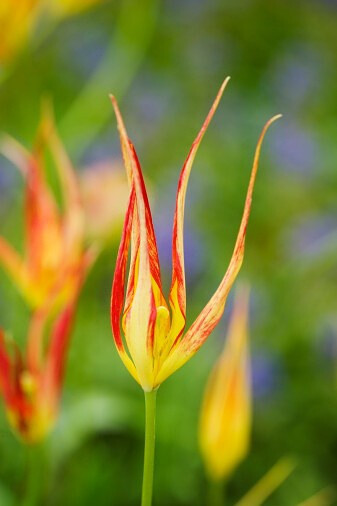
<point x="212" y="312"/>
<point x="178" y="288"/>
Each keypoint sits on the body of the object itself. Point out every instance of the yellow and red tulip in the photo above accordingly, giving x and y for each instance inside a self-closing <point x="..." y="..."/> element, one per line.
<point x="54" y="238"/>
<point x="31" y="382"/>
<point x="225" y="421"/>
<point x="155" y="344"/>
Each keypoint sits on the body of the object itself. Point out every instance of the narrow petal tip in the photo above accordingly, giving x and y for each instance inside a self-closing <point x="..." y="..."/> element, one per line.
<point x="225" y="81"/>
<point x="222" y="89"/>
<point x="114" y="105"/>
<point x="274" y="118"/>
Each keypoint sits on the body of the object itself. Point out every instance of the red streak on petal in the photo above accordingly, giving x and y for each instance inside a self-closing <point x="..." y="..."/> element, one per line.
<point x="118" y="284"/>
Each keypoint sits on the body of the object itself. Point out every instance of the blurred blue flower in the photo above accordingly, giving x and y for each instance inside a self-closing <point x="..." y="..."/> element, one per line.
<point x="266" y="373"/>
<point x="312" y="236"/>
<point x="82" y="48"/>
<point x="152" y="97"/>
<point x="297" y="75"/>
<point x="294" y="149"/>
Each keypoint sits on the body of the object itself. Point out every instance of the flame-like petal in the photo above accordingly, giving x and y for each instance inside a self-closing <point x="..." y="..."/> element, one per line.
<point x="177" y="296"/>
<point x="144" y="291"/>
<point x="118" y="287"/>
<point x="212" y="312"/>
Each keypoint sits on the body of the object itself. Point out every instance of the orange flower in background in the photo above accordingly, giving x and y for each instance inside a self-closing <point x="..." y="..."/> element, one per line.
<point x="104" y="193"/>
<point x="225" y="422"/>
<point x="54" y="254"/>
<point x="31" y="383"/>
<point x="155" y="344"/>
<point x="17" y="18"/>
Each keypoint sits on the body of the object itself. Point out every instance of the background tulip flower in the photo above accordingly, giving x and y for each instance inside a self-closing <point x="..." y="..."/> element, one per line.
<point x="225" y="421"/>
<point x="154" y="330"/>
<point x="54" y="238"/>
<point x="31" y="382"/>
<point x="104" y="194"/>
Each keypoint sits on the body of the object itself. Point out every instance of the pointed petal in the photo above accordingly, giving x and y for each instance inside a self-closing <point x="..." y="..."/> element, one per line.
<point x="118" y="287"/>
<point x="139" y="321"/>
<point x="134" y="172"/>
<point x="43" y="244"/>
<point x="42" y="216"/>
<point x="212" y="312"/>
<point x="51" y="139"/>
<point x="5" y="369"/>
<point x="52" y="375"/>
<point x="73" y="217"/>
<point x="178" y="288"/>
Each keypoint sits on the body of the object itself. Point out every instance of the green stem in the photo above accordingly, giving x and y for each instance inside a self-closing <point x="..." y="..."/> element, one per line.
<point x="150" y="429"/>
<point x="34" y="476"/>
<point x="216" y="493"/>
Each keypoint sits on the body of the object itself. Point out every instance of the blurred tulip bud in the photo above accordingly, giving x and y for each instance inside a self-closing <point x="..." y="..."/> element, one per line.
<point x="225" y="422"/>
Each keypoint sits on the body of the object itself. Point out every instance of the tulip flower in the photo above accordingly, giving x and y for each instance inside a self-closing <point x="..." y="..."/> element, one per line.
<point x="225" y="422"/>
<point x="154" y="344"/>
<point x="54" y="249"/>
<point x="31" y="382"/>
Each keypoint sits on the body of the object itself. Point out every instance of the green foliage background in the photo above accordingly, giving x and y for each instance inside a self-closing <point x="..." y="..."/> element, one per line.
<point x="165" y="61"/>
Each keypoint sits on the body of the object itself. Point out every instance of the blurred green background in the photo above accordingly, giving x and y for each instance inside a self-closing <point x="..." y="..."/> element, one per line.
<point x="165" y="61"/>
